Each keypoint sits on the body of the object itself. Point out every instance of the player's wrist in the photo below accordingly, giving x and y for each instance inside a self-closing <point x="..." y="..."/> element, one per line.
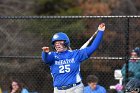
<point x="44" y="51"/>
<point x="100" y="30"/>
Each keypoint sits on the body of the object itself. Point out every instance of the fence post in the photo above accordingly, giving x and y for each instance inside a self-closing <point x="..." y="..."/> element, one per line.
<point x="127" y="50"/>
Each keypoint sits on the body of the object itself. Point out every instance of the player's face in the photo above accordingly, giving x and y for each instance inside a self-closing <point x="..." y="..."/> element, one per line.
<point x="15" y="86"/>
<point x="134" y="55"/>
<point x="92" y="85"/>
<point x="59" y="46"/>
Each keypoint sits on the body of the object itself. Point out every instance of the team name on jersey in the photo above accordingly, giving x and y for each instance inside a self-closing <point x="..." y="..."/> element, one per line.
<point x="66" y="61"/>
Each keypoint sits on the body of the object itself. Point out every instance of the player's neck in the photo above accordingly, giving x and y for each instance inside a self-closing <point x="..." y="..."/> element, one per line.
<point x="63" y="50"/>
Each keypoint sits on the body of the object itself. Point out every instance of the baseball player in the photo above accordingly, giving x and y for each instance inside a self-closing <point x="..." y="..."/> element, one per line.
<point x="65" y="64"/>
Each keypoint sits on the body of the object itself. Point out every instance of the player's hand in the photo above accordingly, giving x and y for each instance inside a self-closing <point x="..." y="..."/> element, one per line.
<point x="46" y="49"/>
<point x="101" y="27"/>
<point x="13" y="91"/>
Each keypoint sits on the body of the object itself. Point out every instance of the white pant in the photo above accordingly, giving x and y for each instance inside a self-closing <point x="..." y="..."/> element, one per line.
<point x="77" y="89"/>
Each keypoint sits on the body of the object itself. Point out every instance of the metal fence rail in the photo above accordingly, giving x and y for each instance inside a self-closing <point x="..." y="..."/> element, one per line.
<point x="63" y="17"/>
<point x="97" y="58"/>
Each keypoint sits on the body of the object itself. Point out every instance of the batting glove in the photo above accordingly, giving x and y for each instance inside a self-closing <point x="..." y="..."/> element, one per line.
<point x="101" y="27"/>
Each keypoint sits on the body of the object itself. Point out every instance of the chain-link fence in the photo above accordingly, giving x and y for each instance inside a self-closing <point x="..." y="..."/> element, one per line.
<point x="22" y="37"/>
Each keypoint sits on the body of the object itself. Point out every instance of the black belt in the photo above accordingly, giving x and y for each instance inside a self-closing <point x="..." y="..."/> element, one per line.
<point x="68" y="86"/>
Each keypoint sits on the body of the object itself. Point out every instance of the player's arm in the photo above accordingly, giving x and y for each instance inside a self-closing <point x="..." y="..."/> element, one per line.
<point x="123" y="70"/>
<point x="47" y="56"/>
<point x="94" y="45"/>
<point x="85" y="52"/>
<point x="103" y="90"/>
<point x="137" y="72"/>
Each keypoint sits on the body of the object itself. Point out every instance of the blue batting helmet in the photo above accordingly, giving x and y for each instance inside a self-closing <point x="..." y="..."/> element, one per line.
<point x="137" y="50"/>
<point x="61" y="36"/>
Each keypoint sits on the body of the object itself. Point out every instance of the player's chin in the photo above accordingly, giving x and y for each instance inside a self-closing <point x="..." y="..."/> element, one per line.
<point x="59" y="50"/>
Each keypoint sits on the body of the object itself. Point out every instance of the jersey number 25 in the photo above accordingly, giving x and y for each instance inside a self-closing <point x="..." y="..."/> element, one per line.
<point x="64" y="68"/>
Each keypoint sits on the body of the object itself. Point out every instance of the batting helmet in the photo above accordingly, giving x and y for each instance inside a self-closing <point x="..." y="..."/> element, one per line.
<point x="61" y="36"/>
<point x="137" y="50"/>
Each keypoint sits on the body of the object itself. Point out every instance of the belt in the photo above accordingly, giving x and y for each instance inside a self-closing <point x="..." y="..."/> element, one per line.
<point x="68" y="86"/>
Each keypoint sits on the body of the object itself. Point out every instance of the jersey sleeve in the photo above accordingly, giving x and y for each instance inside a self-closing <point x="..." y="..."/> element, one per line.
<point x="24" y="90"/>
<point x="123" y="70"/>
<point x="82" y="55"/>
<point x="95" y="43"/>
<point x="103" y="90"/>
<point x="86" y="89"/>
<point x="47" y="57"/>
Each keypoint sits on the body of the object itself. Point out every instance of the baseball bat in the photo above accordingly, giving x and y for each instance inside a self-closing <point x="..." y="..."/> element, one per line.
<point x="89" y="40"/>
<point x="92" y="37"/>
<point x="69" y="48"/>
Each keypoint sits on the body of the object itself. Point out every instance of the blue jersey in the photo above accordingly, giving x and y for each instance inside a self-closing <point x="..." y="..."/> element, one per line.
<point x="65" y="66"/>
<point x="24" y="90"/>
<point x="98" y="89"/>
